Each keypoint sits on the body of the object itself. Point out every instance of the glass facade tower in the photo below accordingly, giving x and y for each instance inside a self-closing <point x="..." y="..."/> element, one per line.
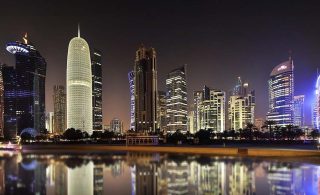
<point x="281" y="92"/>
<point x="30" y="85"/>
<point x="96" y="89"/>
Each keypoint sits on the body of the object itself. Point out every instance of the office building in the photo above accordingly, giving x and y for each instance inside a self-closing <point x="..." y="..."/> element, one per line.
<point x="145" y="89"/>
<point x="59" y="109"/>
<point x="316" y="106"/>
<point x="30" y="85"/>
<point x="79" y="85"/>
<point x="177" y="104"/>
<point x="162" y="111"/>
<point x="298" y="107"/>
<point x="132" y="100"/>
<point x="1" y="101"/>
<point x="281" y="92"/>
<point x="209" y="109"/>
<point x="96" y="89"/>
<point x="116" y="126"/>
<point x="50" y="122"/>
<point x="9" y="102"/>
<point x="241" y="106"/>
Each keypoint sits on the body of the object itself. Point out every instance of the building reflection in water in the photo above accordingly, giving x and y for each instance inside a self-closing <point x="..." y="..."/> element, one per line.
<point x="145" y="174"/>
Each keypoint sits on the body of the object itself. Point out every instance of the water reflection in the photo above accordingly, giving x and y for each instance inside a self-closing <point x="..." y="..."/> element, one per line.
<point x="141" y="173"/>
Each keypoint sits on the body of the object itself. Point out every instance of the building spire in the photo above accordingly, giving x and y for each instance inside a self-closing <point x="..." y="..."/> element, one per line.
<point x="290" y="54"/>
<point x="25" y="38"/>
<point x="79" y="30"/>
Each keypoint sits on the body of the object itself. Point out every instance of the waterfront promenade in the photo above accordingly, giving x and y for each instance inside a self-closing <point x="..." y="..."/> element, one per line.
<point x="207" y="150"/>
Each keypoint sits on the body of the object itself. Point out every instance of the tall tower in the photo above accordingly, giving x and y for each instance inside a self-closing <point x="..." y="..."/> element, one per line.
<point x="241" y="106"/>
<point x="79" y="85"/>
<point x="96" y="89"/>
<point x="177" y="105"/>
<point x="59" y="108"/>
<point x="132" y="99"/>
<point x="281" y="92"/>
<point x="30" y="89"/>
<point x="145" y="72"/>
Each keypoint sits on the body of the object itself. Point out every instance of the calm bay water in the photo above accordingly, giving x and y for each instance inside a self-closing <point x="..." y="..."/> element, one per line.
<point x="143" y="173"/>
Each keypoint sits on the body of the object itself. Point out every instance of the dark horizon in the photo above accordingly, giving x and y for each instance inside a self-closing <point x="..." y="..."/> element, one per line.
<point x="218" y="40"/>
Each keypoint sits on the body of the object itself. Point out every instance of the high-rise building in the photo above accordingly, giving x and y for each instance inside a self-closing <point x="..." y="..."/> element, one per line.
<point x="162" y="111"/>
<point x="177" y="104"/>
<point x="145" y="74"/>
<point x="209" y="109"/>
<point x="96" y="89"/>
<point x="116" y="126"/>
<point x="241" y="106"/>
<point x="281" y="92"/>
<point x="50" y="122"/>
<point x="59" y="109"/>
<point x="30" y="87"/>
<point x="298" y="105"/>
<point x="316" y="106"/>
<point x="132" y="99"/>
<point x="1" y="101"/>
<point x="9" y="100"/>
<point x="79" y="85"/>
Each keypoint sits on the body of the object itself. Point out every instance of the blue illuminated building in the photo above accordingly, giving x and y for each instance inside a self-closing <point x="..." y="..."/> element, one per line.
<point x="132" y="99"/>
<point x="281" y="93"/>
<point x="30" y="85"/>
<point x="9" y="99"/>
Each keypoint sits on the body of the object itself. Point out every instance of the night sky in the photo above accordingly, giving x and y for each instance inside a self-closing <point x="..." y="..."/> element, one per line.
<point x="218" y="40"/>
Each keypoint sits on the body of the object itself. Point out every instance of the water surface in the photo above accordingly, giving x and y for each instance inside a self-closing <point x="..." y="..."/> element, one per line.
<point x="147" y="174"/>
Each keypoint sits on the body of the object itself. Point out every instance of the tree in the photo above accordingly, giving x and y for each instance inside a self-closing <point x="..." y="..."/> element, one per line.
<point x="269" y="124"/>
<point x="26" y="136"/>
<point x="203" y="136"/>
<point x="314" y="133"/>
<point x="177" y="137"/>
<point x="250" y="126"/>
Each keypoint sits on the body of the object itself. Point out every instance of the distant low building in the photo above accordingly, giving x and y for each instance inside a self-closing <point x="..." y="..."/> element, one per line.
<point x="259" y="122"/>
<point x="116" y="126"/>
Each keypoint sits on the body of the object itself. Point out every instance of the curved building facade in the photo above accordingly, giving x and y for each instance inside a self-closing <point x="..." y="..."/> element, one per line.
<point x="79" y="85"/>
<point x="132" y="99"/>
<point x="281" y="93"/>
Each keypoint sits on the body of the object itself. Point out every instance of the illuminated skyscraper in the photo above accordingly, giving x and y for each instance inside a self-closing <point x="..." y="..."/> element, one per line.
<point x="50" y="121"/>
<point x="145" y="74"/>
<point x="79" y="85"/>
<point x="177" y="104"/>
<point x="59" y="108"/>
<point x="209" y="109"/>
<point x="162" y="111"/>
<point x="241" y="106"/>
<point x="298" y="110"/>
<point x="9" y="98"/>
<point x="1" y="101"/>
<point x="30" y="85"/>
<point x="132" y="99"/>
<point x="96" y="89"/>
<point x="316" y="106"/>
<point x="281" y="92"/>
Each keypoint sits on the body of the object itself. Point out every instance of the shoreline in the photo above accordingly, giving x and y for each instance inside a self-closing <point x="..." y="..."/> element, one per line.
<point x="232" y="151"/>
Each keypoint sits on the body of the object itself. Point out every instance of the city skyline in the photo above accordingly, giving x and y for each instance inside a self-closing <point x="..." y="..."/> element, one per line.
<point x="209" y="49"/>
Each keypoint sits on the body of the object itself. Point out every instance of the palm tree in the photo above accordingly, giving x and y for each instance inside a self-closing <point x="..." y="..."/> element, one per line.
<point x="250" y="127"/>
<point x="269" y="124"/>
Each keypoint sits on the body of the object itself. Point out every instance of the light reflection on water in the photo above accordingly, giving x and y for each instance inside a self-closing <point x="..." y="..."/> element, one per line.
<point x="142" y="173"/>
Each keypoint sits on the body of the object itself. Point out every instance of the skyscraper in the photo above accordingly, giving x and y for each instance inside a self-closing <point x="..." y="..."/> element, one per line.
<point x="281" y="92"/>
<point x="59" y="109"/>
<point x="9" y="100"/>
<point x="145" y="74"/>
<point x="1" y="101"/>
<point x="30" y="89"/>
<point x="241" y="106"/>
<point x="79" y="85"/>
<point x="162" y="111"/>
<point x="298" y="110"/>
<point x="209" y="109"/>
<point x="177" y="104"/>
<point x="316" y="105"/>
<point x="50" y="122"/>
<point x="132" y="99"/>
<point x="96" y="89"/>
